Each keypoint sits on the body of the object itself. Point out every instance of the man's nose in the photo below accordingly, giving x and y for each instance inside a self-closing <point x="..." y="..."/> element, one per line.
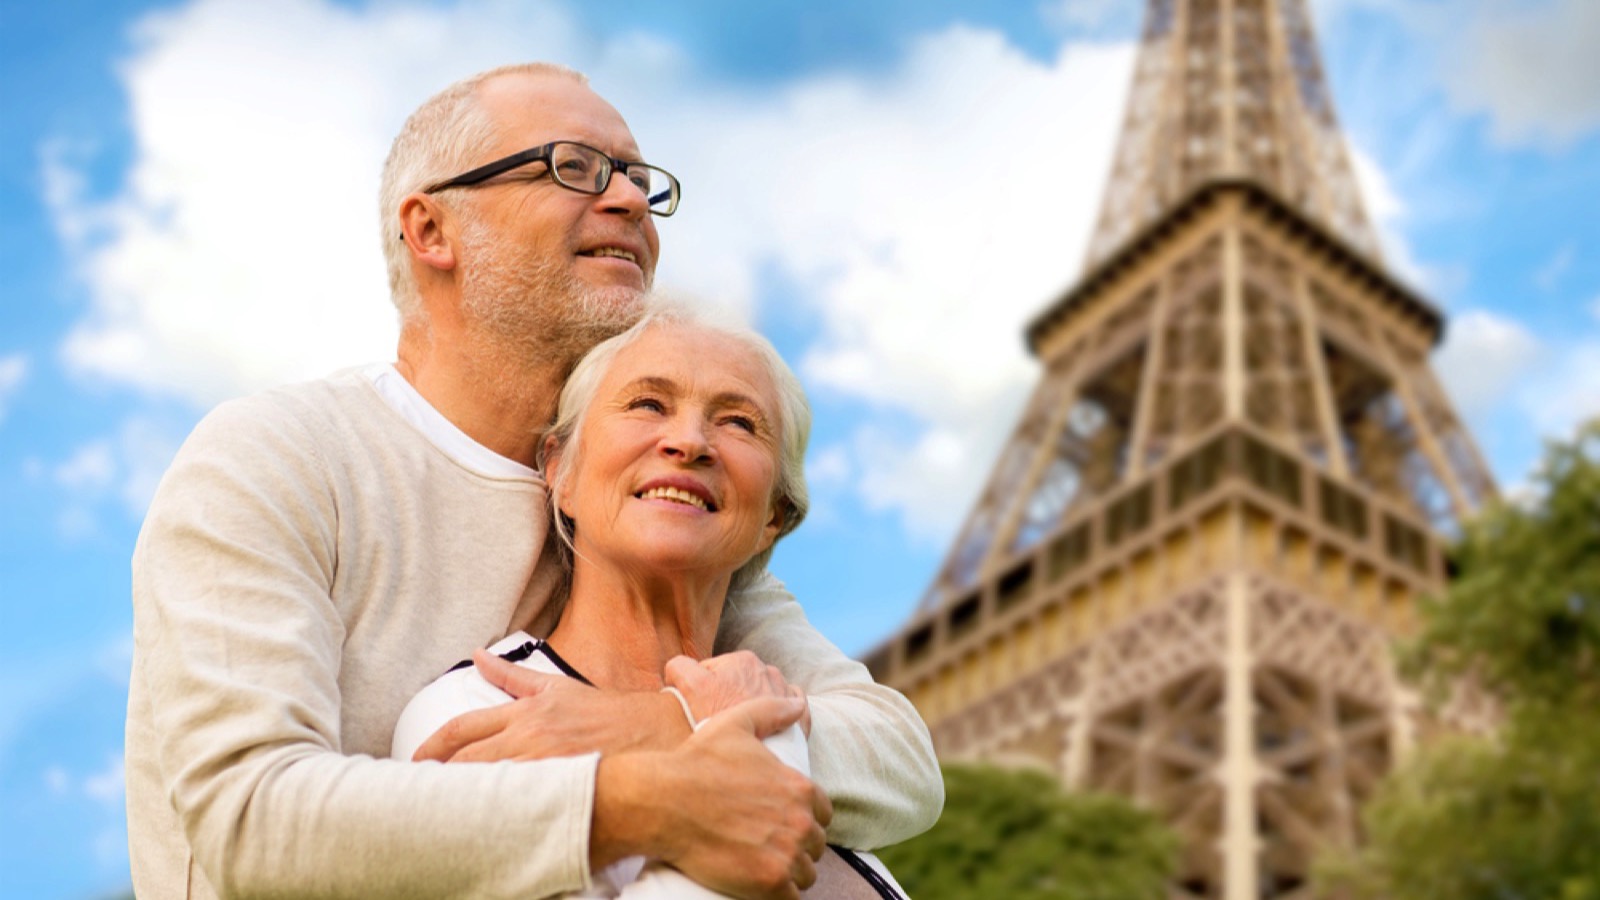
<point x="623" y="197"/>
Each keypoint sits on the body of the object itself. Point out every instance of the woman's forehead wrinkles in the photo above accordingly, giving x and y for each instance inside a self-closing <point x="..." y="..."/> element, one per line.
<point x="740" y="400"/>
<point x="651" y="383"/>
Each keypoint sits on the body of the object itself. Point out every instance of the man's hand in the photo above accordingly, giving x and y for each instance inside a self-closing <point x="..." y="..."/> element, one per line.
<point x="720" y="808"/>
<point x="723" y="682"/>
<point x="554" y="716"/>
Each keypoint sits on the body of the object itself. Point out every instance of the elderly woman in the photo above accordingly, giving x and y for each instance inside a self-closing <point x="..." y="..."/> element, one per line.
<point x="675" y="463"/>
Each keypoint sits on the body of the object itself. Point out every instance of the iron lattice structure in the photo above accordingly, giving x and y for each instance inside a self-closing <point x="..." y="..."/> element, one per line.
<point x="1230" y="487"/>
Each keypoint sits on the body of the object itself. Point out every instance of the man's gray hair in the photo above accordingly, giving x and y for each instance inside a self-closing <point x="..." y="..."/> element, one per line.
<point x="443" y="138"/>
<point x="794" y="419"/>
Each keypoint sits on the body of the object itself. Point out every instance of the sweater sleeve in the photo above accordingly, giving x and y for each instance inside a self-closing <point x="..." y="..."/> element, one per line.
<point x="870" y="751"/>
<point x="240" y="647"/>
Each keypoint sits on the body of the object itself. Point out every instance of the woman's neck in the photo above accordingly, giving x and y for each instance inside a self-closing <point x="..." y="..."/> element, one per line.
<point x="619" y="631"/>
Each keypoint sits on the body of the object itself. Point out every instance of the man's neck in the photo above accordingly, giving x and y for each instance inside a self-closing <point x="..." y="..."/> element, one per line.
<point x="502" y="402"/>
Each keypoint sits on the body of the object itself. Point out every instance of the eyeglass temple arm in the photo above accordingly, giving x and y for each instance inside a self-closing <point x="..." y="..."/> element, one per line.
<point x="486" y="172"/>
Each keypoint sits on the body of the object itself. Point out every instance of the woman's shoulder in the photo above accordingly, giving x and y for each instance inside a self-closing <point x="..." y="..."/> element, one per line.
<point x="461" y="689"/>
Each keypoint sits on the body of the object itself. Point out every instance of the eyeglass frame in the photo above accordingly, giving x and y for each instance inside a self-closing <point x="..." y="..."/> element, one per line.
<point x="542" y="154"/>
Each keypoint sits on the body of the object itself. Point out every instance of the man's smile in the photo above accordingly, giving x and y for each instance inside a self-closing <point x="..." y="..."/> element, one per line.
<point x="616" y="252"/>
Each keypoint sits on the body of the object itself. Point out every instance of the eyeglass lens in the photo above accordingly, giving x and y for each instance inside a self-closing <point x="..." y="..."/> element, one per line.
<point x="588" y="170"/>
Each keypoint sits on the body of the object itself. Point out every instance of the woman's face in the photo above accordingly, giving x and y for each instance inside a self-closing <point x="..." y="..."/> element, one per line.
<point x="679" y="458"/>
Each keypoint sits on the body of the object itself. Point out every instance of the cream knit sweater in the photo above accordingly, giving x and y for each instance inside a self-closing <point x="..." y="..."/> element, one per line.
<point x="309" y="562"/>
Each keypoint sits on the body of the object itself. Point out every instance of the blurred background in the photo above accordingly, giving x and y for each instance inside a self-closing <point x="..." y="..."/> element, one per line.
<point x="890" y="191"/>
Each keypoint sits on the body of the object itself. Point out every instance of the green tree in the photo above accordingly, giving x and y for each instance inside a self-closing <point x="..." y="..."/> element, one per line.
<point x="1518" y="815"/>
<point x="1017" y="835"/>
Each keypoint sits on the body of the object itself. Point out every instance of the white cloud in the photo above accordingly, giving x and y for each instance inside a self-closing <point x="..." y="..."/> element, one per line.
<point x="85" y="476"/>
<point x="931" y="478"/>
<point x="1387" y="213"/>
<point x="90" y="469"/>
<point x="125" y="466"/>
<point x="114" y="659"/>
<point x="57" y="780"/>
<point x="829" y="472"/>
<point x="75" y="521"/>
<point x="146" y="449"/>
<point x="61" y="163"/>
<point x="1533" y="69"/>
<point x="105" y="789"/>
<point x="828" y="466"/>
<point x="108" y="785"/>
<point x="1327" y="13"/>
<point x="1378" y="195"/>
<point x="920" y="478"/>
<point x="925" y="212"/>
<point x="1070" y="15"/>
<point x="1567" y="393"/>
<point x="1552" y="270"/>
<point x="1484" y="358"/>
<point x="13" y="372"/>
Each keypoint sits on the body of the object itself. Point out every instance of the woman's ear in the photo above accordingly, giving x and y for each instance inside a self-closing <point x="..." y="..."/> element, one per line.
<point x="551" y="467"/>
<point x="547" y="456"/>
<point x="774" y="526"/>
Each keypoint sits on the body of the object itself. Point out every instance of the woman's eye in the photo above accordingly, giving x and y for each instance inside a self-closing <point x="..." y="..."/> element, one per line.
<point x="743" y="422"/>
<point x="646" y="403"/>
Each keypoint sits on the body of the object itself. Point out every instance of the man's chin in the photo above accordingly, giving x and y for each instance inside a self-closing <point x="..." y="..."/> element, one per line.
<point x="614" y="306"/>
<point x="619" y="295"/>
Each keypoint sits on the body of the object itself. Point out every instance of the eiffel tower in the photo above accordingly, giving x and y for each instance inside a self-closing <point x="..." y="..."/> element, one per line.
<point x="1231" y="486"/>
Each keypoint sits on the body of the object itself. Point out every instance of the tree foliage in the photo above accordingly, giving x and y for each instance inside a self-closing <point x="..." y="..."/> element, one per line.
<point x="1016" y="834"/>
<point x="1523" y="615"/>
<point x="1518" y="815"/>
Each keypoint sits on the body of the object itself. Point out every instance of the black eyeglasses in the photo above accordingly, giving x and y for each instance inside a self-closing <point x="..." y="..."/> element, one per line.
<point x="582" y="168"/>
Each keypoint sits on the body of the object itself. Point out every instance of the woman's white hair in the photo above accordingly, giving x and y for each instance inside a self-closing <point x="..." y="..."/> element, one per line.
<point x="443" y="138"/>
<point x="793" y="411"/>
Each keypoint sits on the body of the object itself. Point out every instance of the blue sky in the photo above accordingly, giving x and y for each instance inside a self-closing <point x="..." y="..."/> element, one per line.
<point x="888" y="189"/>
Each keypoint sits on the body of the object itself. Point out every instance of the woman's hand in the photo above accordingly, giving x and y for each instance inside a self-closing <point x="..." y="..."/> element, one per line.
<point x="723" y="682"/>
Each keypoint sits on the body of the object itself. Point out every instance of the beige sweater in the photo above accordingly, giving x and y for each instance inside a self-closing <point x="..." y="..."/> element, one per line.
<point x="309" y="562"/>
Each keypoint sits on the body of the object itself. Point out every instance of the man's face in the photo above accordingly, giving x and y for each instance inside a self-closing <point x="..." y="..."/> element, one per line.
<point x="538" y="260"/>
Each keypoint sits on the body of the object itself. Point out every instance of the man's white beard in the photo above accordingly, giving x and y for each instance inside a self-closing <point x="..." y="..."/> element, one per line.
<point x="528" y="311"/>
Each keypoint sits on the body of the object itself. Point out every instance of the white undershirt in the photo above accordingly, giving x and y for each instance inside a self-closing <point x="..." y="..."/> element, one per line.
<point x="403" y="398"/>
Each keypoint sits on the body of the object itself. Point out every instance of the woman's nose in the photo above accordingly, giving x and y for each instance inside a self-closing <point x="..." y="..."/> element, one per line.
<point x="685" y="439"/>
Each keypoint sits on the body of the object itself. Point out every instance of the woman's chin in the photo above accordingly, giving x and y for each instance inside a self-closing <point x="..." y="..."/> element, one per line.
<point x="670" y="549"/>
<point x="690" y="566"/>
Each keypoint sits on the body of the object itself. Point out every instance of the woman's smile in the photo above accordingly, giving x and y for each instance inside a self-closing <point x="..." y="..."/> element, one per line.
<point x="679" y="491"/>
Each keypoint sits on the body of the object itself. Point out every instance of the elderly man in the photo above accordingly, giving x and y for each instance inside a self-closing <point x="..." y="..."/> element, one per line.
<point x="318" y="553"/>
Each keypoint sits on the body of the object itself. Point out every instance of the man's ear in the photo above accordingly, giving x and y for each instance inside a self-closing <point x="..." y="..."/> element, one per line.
<point x="422" y="228"/>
